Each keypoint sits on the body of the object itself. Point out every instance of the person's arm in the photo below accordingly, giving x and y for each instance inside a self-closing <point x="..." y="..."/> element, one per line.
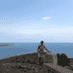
<point x="38" y="48"/>
<point x="46" y="49"/>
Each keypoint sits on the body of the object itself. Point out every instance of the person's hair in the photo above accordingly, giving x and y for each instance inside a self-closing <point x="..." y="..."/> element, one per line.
<point x="41" y="42"/>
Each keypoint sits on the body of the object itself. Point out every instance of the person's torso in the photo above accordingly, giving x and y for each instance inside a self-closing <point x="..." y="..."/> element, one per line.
<point x="41" y="49"/>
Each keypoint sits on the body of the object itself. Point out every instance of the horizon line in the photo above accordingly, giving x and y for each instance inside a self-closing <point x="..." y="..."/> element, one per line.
<point x="36" y="42"/>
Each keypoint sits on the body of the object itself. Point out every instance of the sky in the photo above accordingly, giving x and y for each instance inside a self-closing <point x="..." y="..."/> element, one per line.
<point x="36" y="20"/>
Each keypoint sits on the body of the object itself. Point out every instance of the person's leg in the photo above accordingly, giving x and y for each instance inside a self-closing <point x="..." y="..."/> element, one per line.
<point x="41" y="61"/>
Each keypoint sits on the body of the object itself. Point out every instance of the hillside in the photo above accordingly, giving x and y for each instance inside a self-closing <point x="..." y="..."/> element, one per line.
<point x="25" y="63"/>
<point x="26" y="58"/>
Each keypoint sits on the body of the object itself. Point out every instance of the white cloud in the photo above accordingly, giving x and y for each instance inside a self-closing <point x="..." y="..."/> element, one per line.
<point x="45" y="18"/>
<point x="35" y="33"/>
<point x="39" y="29"/>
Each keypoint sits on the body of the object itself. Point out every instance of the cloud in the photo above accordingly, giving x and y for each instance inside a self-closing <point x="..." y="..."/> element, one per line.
<point x="35" y="33"/>
<point x="45" y="18"/>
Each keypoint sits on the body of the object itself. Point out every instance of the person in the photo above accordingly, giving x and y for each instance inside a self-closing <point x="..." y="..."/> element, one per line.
<point x="41" y="53"/>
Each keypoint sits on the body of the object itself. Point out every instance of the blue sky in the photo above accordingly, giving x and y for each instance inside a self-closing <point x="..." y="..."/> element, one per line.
<point x="36" y="20"/>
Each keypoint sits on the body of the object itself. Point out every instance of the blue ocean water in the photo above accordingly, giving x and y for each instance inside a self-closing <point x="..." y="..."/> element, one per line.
<point x="12" y="49"/>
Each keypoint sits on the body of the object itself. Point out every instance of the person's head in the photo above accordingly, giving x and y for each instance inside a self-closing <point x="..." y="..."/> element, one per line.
<point x="41" y="42"/>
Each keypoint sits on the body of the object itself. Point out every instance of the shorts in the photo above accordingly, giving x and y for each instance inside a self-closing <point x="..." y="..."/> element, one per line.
<point x="41" y="54"/>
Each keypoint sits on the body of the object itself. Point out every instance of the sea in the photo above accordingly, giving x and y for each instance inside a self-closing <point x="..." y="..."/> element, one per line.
<point x="12" y="49"/>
